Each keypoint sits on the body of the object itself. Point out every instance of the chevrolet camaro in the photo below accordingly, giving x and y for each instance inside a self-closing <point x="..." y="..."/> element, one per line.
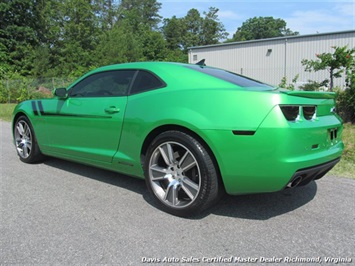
<point x="192" y="132"/>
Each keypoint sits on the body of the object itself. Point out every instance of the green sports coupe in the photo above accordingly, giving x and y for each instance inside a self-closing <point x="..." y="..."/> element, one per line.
<point x="191" y="131"/>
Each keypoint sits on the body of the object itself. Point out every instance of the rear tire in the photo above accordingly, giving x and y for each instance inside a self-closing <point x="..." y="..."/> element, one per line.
<point x="26" y="142"/>
<point x="180" y="174"/>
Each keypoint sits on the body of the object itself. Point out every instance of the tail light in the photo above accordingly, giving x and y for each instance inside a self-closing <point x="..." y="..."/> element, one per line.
<point x="294" y="113"/>
<point x="309" y="112"/>
<point x="291" y="112"/>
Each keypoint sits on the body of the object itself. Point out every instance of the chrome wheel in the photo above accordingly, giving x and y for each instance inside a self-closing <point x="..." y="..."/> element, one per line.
<point x="174" y="174"/>
<point x="180" y="174"/>
<point x="23" y="139"/>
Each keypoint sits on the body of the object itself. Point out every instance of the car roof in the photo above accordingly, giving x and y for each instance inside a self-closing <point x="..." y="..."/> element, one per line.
<point x="140" y="65"/>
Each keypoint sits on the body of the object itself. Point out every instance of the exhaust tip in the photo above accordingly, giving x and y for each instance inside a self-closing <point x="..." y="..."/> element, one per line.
<point x="295" y="182"/>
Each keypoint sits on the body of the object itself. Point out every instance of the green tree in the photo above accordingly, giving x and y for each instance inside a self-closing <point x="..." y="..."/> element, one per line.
<point x="193" y="29"/>
<point x="262" y="28"/>
<point x="47" y="53"/>
<point x="119" y="45"/>
<point x="107" y="13"/>
<point x="154" y="46"/>
<point x="134" y="36"/>
<point x="18" y="36"/>
<point x="212" y="30"/>
<point x="338" y="63"/>
<point x="346" y="98"/>
<point x="173" y="30"/>
<point x="71" y="35"/>
<point x="335" y="63"/>
<point x="138" y="12"/>
<point x="192" y="23"/>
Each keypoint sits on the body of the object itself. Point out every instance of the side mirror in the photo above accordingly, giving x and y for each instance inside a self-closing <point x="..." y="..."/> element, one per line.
<point x="61" y="93"/>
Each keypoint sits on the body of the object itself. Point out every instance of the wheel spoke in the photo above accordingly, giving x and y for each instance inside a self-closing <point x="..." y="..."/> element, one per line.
<point x="183" y="158"/>
<point x="171" y="194"/>
<point x="170" y="153"/>
<point x="25" y="151"/>
<point x="20" y="129"/>
<point x="159" y="169"/>
<point x="166" y="152"/>
<point x="19" y="144"/>
<point x="27" y="131"/>
<point x="190" y="187"/>
<point x="188" y="162"/>
<point x="158" y="173"/>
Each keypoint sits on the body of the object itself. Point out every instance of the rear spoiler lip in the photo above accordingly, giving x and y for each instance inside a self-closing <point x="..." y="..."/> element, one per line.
<point x="311" y="94"/>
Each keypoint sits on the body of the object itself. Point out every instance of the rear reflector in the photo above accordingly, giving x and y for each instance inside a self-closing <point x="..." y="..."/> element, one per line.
<point x="244" y="132"/>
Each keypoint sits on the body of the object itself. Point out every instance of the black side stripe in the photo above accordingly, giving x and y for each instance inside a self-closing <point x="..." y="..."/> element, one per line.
<point x="43" y="113"/>
<point x="34" y="108"/>
<point x="40" y="107"/>
<point x="76" y="115"/>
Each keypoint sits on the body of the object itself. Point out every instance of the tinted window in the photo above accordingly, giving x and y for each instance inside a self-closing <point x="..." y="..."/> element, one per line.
<point x="231" y="77"/>
<point x="146" y="81"/>
<point x="104" y="84"/>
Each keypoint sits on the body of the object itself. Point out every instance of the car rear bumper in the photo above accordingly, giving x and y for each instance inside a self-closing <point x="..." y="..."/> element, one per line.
<point x="303" y="176"/>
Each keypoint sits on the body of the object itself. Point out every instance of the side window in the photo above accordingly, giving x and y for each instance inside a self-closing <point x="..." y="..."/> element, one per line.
<point x="104" y="84"/>
<point x="146" y="81"/>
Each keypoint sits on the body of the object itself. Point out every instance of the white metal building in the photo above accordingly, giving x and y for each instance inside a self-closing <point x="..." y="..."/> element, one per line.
<point x="269" y="60"/>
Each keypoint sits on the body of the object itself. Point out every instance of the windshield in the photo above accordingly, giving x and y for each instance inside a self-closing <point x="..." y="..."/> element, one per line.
<point x="231" y="77"/>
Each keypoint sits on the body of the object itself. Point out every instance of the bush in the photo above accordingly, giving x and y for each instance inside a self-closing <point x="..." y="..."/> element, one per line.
<point x="16" y="88"/>
<point x="346" y="104"/>
<point x="314" y="85"/>
<point x="290" y="86"/>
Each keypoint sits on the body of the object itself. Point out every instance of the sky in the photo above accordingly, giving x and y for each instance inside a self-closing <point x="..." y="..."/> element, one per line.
<point x="306" y="17"/>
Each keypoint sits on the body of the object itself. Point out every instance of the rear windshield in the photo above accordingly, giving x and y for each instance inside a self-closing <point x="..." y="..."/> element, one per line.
<point x="231" y="77"/>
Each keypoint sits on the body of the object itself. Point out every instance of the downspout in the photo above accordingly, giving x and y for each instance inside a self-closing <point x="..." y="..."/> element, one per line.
<point x="285" y="58"/>
<point x="189" y="55"/>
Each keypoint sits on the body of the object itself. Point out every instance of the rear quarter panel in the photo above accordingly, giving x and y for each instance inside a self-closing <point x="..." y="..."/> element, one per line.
<point x="199" y="110"/>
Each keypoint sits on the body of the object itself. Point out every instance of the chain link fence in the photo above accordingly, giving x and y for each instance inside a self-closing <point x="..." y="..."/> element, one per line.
<point x="17" y="90"/>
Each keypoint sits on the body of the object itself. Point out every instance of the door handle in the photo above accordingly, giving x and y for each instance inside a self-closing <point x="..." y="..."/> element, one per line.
<point x="112" y="110"/>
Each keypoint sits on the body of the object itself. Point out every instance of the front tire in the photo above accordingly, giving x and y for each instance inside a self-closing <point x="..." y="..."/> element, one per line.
<point x="180" y="174"/>
<point x="26" y="142"/>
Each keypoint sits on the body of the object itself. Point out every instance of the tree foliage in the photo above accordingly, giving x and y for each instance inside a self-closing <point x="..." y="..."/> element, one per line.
<point x="262" y="28"/>
<point x="69" y="37"/>
<point x="138" y="12"/>
<point x="66" y="38"/>
<point x="18" y="34"/>
<point x="341" y="59"/>
<point x="338" y="63"/>
<point x="193" y="29"/>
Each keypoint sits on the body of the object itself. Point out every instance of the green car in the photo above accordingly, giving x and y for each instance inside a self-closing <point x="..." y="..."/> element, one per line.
<point x="192" y="132"/>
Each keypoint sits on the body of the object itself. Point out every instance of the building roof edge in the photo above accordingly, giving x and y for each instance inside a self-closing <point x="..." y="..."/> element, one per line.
<point x="271" y="39"/>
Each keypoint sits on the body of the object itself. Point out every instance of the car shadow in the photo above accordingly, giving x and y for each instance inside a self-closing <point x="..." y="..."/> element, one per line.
<point x="267" y="205"/>
<point x="252" y="207"/>
<point x="116" y="179"/>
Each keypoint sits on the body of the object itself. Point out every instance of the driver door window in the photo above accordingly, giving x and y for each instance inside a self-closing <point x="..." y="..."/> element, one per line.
<point x="104" y="84"/>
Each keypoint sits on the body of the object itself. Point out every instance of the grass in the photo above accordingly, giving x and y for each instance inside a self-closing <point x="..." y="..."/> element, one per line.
<point x="346" y="167"/>
<point x="6" y="111"/>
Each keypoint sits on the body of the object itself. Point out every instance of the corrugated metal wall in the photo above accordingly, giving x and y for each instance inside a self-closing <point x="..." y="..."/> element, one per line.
<point x="272" y="59"/>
